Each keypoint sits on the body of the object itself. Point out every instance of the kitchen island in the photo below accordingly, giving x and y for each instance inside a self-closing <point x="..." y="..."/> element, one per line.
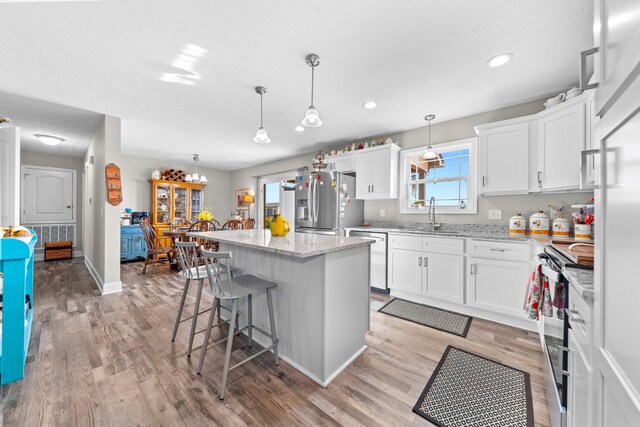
<point x="322" y="300"/>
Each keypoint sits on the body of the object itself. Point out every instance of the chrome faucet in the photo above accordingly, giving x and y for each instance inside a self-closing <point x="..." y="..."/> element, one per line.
<point x="432" y="214"/>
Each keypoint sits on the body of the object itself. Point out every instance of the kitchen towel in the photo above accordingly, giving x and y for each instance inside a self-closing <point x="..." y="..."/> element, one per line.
<point x="538" y="295"/>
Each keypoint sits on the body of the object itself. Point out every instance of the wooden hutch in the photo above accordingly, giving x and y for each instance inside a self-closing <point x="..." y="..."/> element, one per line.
<point x="171" y="200"/>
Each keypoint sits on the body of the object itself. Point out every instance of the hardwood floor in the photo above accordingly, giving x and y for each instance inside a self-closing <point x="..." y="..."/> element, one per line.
<point x="108" y="360"/>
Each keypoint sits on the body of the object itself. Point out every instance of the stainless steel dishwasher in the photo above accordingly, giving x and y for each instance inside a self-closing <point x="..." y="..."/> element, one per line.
<point x="378" y="265"/>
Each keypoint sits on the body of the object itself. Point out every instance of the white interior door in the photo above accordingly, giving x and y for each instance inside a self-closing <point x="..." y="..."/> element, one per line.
<point x="9" y="178"/>
<point x="48" y="195"/>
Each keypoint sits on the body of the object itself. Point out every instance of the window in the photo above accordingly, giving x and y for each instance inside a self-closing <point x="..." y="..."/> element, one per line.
<point x="453" y="186"/>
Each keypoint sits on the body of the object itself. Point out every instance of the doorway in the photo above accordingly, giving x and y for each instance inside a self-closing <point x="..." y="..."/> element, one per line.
<point x="275" y="196"/>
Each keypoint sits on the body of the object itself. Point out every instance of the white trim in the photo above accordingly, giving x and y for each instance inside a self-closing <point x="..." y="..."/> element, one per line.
<point x="74" y="195"/>
<point x="344" y="365"/>
<point x="472" y="184"/>
<point x="105" y="288"/>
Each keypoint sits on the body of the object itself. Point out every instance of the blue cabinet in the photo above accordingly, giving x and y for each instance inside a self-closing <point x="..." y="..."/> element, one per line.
<point x="132" y="244"/>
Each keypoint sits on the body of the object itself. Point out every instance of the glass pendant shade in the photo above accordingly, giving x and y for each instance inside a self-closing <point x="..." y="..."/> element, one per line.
<point x="312" y="118"/>
<point x="430" y="154"/>
<point x="188" y="178"/>
<point x="261" y="136"/>
<point x="203" y="179"/>
<point x="433" y="158"/>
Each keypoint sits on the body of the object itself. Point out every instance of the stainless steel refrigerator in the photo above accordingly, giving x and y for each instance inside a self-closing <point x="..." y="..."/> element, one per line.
<point x="326" y="203"/>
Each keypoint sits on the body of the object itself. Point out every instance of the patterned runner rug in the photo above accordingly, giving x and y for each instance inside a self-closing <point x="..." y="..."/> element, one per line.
<point x="443" y="320"/>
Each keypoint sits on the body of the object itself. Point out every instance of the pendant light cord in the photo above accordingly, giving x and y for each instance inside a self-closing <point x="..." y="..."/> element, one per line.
<point x="430" y="134"/>
<point x="313" y="69"/>
<point x="261" y="110"/>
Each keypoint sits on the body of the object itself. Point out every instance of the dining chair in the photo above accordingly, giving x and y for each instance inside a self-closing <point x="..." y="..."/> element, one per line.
<point x="233" y="224"/>
<point x="156" y="252"/>
<point x="232" y="289"/>
<point x="205" y="226"/>
<point x="248" y="223"/>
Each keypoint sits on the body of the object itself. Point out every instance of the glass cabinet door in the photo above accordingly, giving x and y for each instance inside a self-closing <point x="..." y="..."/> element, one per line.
<point x="163" y="203"/>
<point x="179" y="202"/>
<point x="196" y="202"/>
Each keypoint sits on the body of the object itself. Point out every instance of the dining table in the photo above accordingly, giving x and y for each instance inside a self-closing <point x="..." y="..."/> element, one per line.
<point x="177" y="233"/>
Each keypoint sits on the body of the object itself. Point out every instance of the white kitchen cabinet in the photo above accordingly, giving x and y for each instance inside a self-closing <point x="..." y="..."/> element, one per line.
<point x="343" y="162"/>
<point x="617" y="40"/>
<point x="405" y="270"/>
<point x="443" y="277"/>
<point x="561" y="137"/>
<point x="504" y="157"/>
<point x="377" y="172"/>
<point x="579" y="409"/>
<point x="497" y="285"/>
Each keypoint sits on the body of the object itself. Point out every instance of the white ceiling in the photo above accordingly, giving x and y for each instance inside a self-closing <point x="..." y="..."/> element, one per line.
<point x="33" y="116"/>
<point x="412" y="57"/>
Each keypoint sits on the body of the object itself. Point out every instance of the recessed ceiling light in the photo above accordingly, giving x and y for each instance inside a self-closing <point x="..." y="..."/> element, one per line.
<point x="369" y="105"/>
<point x="49" y="139"/>
<point x="300" y="128"/>
<point x="500" y="59"/>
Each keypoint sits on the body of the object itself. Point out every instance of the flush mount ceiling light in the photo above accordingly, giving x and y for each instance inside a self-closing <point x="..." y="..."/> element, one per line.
<point x="194" y="177"/>
<point x="48" y="139"/>
<point x="300" y="128"/>
<point x="433" y="158"/>
<point x="261" y="135"/>
<point x="369" y="105"/>
<point x="500" y="59"/>
<point x="312" y="117"/>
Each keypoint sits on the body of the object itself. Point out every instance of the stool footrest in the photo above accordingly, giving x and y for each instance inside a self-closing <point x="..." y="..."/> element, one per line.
<point x="191" y="317"/>
<point x="264" y="350"/>
<point x="262" y="331"/>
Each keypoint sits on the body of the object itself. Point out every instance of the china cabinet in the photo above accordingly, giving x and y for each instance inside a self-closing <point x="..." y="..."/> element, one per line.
<point x="171" y="200"/>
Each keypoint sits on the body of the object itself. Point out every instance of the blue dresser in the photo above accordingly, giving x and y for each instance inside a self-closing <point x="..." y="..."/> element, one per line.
<point x="132" y="244"/>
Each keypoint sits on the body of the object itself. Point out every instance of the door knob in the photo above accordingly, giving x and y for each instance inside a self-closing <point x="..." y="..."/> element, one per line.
<point x="68" y="206"/>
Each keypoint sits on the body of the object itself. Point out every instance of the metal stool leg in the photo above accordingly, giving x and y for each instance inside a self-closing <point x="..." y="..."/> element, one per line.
<point x="184" y="296"/>
<point x="250" y="319"/>
<point x="207" y="335"/>
<point x="272" y="320"/>
<point x="227" y="356"/>
<point x="194" y="321"/>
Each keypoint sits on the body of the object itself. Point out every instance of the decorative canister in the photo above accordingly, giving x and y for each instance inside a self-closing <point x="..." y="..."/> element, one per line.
<point x="561" y="227"/>
<point x="517" y="224"/>
<point x="583" y="232"/>
<point x="539" y="224"/>
<point x="155" y="174"/>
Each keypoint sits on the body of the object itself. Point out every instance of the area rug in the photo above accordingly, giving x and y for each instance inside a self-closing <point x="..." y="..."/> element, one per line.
<point x="443" y="320"/>
<point x="470" y="390"/>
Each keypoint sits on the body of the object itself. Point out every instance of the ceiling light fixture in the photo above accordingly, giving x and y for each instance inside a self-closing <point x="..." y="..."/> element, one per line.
<point x="48" y="139"/>
<point x="500" y="59"/>
<point x="369" y="105"/>
<point x="194" y="177"/>
<point x="312" y="117"/>
<point x="261" y="135"/>
<point x="300" y="128"/>
<point x="433" y="158"/>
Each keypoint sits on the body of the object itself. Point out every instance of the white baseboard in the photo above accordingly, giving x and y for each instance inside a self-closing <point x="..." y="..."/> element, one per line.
<point x="344" y="365"/>
<point x="105" y="288"/>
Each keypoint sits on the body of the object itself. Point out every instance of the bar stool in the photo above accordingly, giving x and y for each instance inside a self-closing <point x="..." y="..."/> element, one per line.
<point x="188" y="257"/>
<point x="246" y="285"/>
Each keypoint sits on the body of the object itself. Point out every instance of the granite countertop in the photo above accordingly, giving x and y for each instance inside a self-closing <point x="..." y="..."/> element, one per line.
<point x="298" y="245"/>
<point x="582" y="281"/>
<point x="480" y="233"/>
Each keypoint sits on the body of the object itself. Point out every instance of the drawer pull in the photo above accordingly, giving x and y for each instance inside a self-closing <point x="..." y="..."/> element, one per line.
<point x="573" y="316"/>
<point x="496" y="250"/>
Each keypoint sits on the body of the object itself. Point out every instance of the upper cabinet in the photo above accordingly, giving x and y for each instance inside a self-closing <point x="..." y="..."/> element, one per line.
<point x="344" y="162"/>
<point x="538" y="153"/>
<point x="616" y="50"/>
<point x="561" y="137"/>
<point x="377" y="172"/>
<point x="504" y="157"/>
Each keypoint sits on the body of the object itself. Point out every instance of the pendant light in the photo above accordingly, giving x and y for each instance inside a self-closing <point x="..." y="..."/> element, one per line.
<point x="194" y="177"/>
<point x="261" y="135"/>
<point x="312" y="117"/>
<point x="433" y="158"/>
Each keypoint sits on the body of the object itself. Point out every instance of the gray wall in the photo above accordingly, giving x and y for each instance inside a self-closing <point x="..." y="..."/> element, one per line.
<point x="440" y="132"/>
<point x="33" y="158"/>
<point x="136" y="190"/>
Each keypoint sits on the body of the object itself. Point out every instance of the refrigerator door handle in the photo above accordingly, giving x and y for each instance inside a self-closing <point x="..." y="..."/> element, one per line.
<point x="315" y="202"/>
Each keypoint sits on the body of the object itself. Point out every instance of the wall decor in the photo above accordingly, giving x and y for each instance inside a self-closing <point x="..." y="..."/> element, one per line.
<point x="240" y="203"/>
<point x="114" y="185"/>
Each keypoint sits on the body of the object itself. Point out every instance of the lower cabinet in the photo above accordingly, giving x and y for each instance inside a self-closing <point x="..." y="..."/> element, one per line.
<point x="497" y="285"/>
<point x="578" y="395"/>
<point x="428" y="274"/>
